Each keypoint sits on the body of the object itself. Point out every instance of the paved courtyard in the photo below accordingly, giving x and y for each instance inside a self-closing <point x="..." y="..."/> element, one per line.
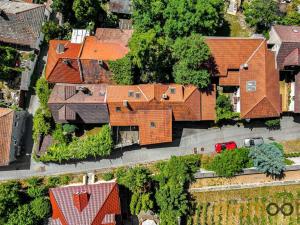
<point x="191" y="137"/>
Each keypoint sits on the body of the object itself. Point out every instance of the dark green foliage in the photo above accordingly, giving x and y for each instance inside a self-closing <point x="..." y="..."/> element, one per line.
<point x="53" y="30"/>
<point x="261" y="14"/>
<point x="100" y="144"/>
<point x="171" y="195"/>
<point x="191" y="53"/>
<point x="33" y="181"/>
<point x="229" y="163"/>
<point x="58" y="181"/>
<point x="291" y="19"/>
<point x="224" y="108"/>
<point x="9" y="198"/>
<point x="273" y="123"/>
<point x="40" y="207"/>
<point x="268" y="159"/>
<point x="22" y="216"/>
<point x="8" y="59"/>
<point x="36" y="191"/>
<point x="69" y="128"/>
<point x="86" y="11"/>
<point x="108" y="176"/>
<point x="122" y="70"/>
<point x="138" y="181"/>
<point x="43" y="91"/>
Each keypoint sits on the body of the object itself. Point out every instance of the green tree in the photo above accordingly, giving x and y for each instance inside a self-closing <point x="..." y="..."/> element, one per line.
<point x="52" y="30"/>
<point x="147" y="49"/>
<point x="69" y="128"/>
<point x="86" y="11"/>
<point x="291" y="19"/>
<point x="268" y="158"/>
<point x="172" y="195"/>
<point x="9" y="57"/>
<point x="41" y="123"/>
<point x="229" y="163"/>
<point x="122" y="70"/>
<point x="22" y="216"/>
<point x="65" y="8"/>
<point x="43" y="91"/>
<point x="40" y="207"/>
<point x="192" y="55"/>
<point x="224" y="108"/>
<point x="9" y="198"/>
<point x="261" y="14"/>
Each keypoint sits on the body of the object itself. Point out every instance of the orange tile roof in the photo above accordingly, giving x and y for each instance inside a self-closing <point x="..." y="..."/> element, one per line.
<point x="6" y="125"/>
<point x="56" y="70"/>
<point x="231" y="53"/>
<point x="182" y="104"/>
<point x="107" y="44"/>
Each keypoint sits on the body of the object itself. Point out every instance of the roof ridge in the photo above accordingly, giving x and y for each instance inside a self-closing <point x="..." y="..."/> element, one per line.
<point x="114" y="186"/>
<point x="255" y="51"/>
<point x="143" y="93"/>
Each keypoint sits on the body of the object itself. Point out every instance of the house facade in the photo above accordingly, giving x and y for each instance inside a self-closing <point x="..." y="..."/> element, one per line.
<point x="92" y="204"/>
<point x="12" y="125"/>
<point x="86" y="62"/>
<point x="285" y="43"/>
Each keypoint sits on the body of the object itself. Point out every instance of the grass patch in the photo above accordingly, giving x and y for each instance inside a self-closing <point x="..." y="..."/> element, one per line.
<point x="236" y="29"/>
<point x="291" y="146"/>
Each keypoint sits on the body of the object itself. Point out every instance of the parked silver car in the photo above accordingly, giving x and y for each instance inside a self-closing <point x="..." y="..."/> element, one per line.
<point x="249" y="142"/>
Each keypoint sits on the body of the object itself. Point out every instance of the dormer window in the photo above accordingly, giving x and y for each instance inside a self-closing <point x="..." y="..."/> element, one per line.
<point x="152" y="124"/>
<point x="118" y="109"/>
<point x="137" y="94"/>
<point x="130" y="93"/>
<point x="172" y="90"/>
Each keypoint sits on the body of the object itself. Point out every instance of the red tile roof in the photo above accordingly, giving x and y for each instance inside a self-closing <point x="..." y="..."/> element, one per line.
<point x="181" y="103"/>
<point x="288" y="33"/>
<point x="229" y="55"/>
<point x="58" y="71"/>
<point x="94" y="204"/>
<point x="6" y="126"/>
<point x="107" y="44"/>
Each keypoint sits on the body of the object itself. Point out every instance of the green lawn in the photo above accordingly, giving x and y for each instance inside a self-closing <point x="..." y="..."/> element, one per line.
<point x="236" y="29"/>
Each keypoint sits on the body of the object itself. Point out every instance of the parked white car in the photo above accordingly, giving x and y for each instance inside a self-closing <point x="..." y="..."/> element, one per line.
<point x="249" y="142"/>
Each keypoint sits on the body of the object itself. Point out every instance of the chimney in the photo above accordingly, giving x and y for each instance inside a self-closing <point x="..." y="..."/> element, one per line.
<point x="80" y="200"/>
<point x="60" y="48"/>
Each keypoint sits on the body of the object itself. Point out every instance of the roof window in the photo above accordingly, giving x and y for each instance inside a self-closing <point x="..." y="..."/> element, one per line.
<point x="130" y="93"/>
<point x="251" y="86"/>
<point x="137" y="94"/>
<point x="172" y="90"/>
<point x="152" y="125"/>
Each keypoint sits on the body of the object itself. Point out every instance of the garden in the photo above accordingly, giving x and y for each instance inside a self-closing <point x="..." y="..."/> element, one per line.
<point x="66" y="144"/>
<point x="246" y="206"/>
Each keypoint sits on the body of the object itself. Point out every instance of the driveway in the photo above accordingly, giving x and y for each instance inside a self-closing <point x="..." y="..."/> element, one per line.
<point x="191" y="138"/>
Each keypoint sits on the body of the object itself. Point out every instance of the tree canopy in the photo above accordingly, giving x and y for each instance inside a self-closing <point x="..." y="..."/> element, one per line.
<point x="261" y="14"/>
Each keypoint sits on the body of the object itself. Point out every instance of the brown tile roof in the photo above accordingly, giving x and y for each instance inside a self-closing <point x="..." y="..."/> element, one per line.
<point x="107" y="44"/>
<point x="293" y="58"/>
<point x="93" y="204"/>
<point x="21" y="22"/>
<point x="6" y="126"/>
<point x="288" y="33"/>
<point x="160" y="104"/>
<point x="58" y="71"/>
<point x="85" y="103"/>
<point x="231" y="53"/>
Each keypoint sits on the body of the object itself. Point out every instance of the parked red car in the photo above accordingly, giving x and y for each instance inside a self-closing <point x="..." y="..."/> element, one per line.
<point x="219" y="147"/>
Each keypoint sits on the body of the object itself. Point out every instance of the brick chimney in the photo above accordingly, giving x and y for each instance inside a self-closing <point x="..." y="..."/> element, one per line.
<point x="80" y="200"/>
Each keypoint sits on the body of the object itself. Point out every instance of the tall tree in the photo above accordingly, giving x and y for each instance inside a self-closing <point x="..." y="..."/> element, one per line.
<point x="261" y="14"/>
<point x="192" y="55"/>
<point x="86" y="11"/>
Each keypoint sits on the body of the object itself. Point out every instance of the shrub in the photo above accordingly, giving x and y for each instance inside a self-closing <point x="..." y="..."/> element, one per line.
<point x="229" y="163"/>
<point x="224" y="109"/>
<point x="108" y="176"/>
<point x="268" y="159"/>
<point x="41" y="123"/>
<point x="9" y="198"/>
<point x="69" y="128"/>
<point x="273" y="123"/>
<point x="36" y="191"/>
<point x="22" y="216"/>
<point x="58" y="134"/>
<point x="43" y="92"/>
<point x="40" y="207"/>
<point x="100" y="144"/>
<point x="33" y="181"/>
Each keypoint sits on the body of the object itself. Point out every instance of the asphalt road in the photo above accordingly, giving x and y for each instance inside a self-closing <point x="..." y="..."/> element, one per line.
<point x="191" y="137"/>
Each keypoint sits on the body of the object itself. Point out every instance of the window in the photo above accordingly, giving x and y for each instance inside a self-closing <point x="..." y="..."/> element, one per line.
<point x="118" y="109"/>
<point x="130" y="93"/>
<point x="172" y="90"/>
<point x="16" y="124"/>
<point x="152" y="125"/>
<point x="137" y="94"/>
<point x="251" y="86"/>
